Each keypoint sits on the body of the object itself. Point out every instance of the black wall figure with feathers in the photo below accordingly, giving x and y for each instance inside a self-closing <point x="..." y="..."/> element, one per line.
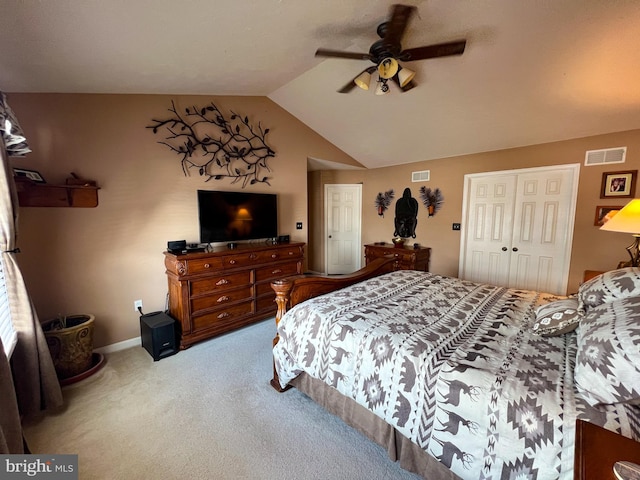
<point x="406" y="216"/>
<point x="217" y="147"/>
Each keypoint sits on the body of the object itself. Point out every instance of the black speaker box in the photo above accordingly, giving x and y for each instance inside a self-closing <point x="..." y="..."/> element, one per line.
<point x="177" y="246"/>
<point x="158" y="334"/>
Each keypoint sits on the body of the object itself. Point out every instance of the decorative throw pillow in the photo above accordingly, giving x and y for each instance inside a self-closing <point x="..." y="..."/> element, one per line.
<point x="610" y="286"/>
<point x="608" y="356"/>
<point x="557" y="318"/>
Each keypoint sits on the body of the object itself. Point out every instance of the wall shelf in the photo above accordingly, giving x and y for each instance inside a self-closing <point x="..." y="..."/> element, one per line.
<point x="33" y="194"/>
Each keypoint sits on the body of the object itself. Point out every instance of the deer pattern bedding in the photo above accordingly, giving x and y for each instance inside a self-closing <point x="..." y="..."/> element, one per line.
<point x="455" y="367"/>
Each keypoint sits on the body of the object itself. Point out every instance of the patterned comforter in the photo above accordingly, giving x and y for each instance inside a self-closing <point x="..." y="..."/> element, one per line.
<point x="454" y="367"/>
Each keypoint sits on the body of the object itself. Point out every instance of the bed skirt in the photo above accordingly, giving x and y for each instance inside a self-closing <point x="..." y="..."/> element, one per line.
<point x="399" y="448"/>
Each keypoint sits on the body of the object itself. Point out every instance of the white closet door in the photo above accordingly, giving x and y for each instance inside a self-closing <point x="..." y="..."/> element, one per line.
<point x="487" y="230"/>
<point x="518" y="227"/>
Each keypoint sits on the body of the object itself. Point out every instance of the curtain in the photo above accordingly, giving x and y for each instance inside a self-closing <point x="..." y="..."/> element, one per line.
<point x="33" y="378"/>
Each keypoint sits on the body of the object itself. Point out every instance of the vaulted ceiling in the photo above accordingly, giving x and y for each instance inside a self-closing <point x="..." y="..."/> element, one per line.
<point x="532" y="72"/>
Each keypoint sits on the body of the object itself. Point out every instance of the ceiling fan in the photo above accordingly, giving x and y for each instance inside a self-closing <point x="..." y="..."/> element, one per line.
<point x="387" y="52"/>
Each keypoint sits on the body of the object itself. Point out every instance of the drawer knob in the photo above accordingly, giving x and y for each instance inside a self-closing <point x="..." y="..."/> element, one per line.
<point x="291" y="253"/>
<point x="206" y="265"/>
<point x="277" y="270"/>
<point x="223" y="315"/>
<point x="253" y="256"/>
<point x="274" y="255"/>
<point x="223" y="298"/>
<point x="232" y="262"/>
<point x="224" y="281"/>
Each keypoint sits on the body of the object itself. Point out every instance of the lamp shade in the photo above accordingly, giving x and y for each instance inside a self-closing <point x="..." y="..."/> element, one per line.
<point x="363" y="80"/>
<point x="405" y="76"/>
<point x="382" y="88"/>
<point x="14" y="139"/>
<point x="626" y="220"/>
<point x="388" y="67"/>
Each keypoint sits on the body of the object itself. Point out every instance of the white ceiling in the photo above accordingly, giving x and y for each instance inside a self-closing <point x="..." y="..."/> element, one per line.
<point x="533" y="71"/>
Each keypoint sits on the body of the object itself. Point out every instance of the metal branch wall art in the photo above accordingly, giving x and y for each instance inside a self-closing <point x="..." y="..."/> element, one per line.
<point x="216" y="146"/>
<point x="432" y="199"/>
<point x="383" y="200"/>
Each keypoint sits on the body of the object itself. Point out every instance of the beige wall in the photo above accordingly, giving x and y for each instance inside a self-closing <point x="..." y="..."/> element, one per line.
<point x="99" y="260"/>
<point x="591" y="250"/>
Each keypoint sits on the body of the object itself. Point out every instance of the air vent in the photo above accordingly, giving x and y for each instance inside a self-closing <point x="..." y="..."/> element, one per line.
<point x="605" y="156"/>
<point x="422" y="176"/>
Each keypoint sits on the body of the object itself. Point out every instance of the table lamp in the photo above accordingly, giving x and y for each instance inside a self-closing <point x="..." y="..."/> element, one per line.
<point x="627" y="220"/>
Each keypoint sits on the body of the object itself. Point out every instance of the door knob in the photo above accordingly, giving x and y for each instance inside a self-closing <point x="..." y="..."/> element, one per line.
<point x="515" y="249"/>
<point x="504" y="249"/>
<point x="329" y="236"/>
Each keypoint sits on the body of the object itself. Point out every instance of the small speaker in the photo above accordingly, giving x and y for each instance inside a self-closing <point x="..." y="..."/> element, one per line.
<point x="176" y="246"/>
<point x="158" y="334"/>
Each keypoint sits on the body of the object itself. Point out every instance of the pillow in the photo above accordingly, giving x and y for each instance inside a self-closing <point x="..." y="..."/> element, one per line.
<point x="608" y="353"/>
<point x="557" y="318"/>
<point x="610" y="286"/>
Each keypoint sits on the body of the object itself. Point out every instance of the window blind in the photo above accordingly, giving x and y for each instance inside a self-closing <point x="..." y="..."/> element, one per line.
<point x="8" y="334"/>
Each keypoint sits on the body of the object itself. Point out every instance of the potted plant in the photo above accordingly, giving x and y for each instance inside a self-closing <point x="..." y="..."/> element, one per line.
<point x="70" y="341"/>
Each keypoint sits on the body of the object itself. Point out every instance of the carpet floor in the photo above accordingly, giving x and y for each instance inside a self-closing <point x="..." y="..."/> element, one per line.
<point x="206" y="413"/>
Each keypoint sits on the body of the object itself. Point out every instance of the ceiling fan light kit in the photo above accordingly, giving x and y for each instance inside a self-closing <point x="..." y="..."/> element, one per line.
<point x="382" y="87"/>
<point x="387" y="52"/>
<point x="363" y="80"/>
<point x="405" y="76"/>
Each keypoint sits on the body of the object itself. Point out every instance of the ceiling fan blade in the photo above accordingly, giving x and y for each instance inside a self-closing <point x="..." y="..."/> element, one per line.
<point x="352" y="84"/>
<point x="348" y="87"/>
<point x="433" y="51"/>
<point x="323" y="52"/>
<point x="395" y="27"/>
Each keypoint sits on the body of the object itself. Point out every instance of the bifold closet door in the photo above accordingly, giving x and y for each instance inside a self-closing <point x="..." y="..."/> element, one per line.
<point x="518" y="228"/>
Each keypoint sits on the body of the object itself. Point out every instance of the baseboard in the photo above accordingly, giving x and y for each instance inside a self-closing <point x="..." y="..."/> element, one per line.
<point x="115" y="347"/>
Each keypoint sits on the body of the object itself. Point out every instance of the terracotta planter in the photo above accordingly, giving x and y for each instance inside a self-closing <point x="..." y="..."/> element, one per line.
<point x="70" y="343"/>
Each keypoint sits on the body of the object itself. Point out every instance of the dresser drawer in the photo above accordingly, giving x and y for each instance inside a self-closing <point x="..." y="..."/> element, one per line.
<point x="266" y="303"/>
<point x="250" y="259"/>
<point x="202" y="265"/>
<point x="221" y="298"/>
<point x="286" y="253"/>
<point x="222" y="316"/>
<point x="273" y="272"/>
<point x="219" y="283"/>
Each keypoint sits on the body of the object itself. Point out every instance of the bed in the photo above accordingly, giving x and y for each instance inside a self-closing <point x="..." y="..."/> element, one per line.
<point x="460" y="379"/>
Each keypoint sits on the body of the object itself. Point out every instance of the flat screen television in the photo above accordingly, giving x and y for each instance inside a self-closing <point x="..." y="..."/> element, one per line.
<point x="236" y="216"/>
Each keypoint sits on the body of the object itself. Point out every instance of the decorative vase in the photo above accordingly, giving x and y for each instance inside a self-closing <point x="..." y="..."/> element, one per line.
<point x="398" y="242"/>
<point x="70" y="341"/>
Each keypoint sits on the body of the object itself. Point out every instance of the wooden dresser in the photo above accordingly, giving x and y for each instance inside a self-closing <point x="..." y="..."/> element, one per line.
<point x="217" y="291"/>
<point x="597" y="450"/>
<point x="409" y="258"/>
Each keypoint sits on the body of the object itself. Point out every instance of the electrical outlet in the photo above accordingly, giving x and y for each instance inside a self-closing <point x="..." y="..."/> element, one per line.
<point x="299" y="226"/>
<point x="137" y="305"/>
<point x="456" y="226"/>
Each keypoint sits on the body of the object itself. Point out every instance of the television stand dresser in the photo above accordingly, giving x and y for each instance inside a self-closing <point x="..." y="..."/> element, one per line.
<point x="223" y="289"/>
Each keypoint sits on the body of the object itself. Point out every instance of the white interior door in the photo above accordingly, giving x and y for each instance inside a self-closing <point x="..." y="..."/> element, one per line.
<point x="487" y="230"/>
<point x="343" y="206"/>
<point x="518" y="227"/>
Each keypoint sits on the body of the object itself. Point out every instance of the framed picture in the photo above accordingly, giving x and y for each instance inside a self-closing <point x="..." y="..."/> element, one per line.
<point x="618" y="184"/>
<point x="604" y="213"/>
<point x="30" y="174"/>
